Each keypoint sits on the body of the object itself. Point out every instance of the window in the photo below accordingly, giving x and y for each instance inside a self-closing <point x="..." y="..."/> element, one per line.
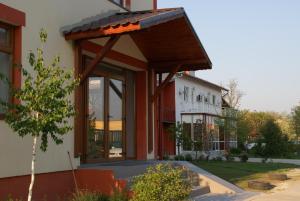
<point x="214" y="100"/>
<point x="206" y="99"/>
<point x="186" y="93"/>
<point x="6" y="56"/>
<point x="199" y="98"/>
<point x="11" y="23"/>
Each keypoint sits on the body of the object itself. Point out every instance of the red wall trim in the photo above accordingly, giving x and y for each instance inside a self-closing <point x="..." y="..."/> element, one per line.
<point x="49" y="185"/>
<point x="128" y="4"/>
<point x="11" y="16"/>
<point x="95" y="48"/>
<point x="60" y="185"/>
<point x="141" y="115"/>
<point x="17" y="60"/>
<point x="154" y="4"/>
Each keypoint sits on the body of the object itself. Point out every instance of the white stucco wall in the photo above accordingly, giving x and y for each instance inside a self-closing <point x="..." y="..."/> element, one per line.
<point x="192" y="106"/>
<point x="141" y="5"/>
<point x="15" y="153"/>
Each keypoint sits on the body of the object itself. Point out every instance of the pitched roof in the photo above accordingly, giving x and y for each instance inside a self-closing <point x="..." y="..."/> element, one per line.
<point x="166" y="37"/>
<point x="144" y="19"/>
<point x="197" y="79"/>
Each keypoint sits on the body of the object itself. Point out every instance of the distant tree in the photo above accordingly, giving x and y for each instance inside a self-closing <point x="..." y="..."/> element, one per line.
<point x="178" y="134"/>
<point x="273" y="141"/>
<point x="296" y="120"/>
<point x="234" y="95"/>
<point x="243" y="128"/>
<point x="197" y="146"/>
<point x="44" y="108"/>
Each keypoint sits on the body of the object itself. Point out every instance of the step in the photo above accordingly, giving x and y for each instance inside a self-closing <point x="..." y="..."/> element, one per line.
<point x="226" y="197"/>
<point x="199" y="191"/>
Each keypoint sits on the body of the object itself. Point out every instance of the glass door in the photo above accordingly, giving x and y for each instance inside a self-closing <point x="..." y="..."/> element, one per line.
<point x="96" y="119"/>
<point x="116" y="118"/>
<point x="105" y="120"/>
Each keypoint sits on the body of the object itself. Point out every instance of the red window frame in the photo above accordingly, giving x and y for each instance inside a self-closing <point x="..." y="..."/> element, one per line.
<point x="13" y="20"/>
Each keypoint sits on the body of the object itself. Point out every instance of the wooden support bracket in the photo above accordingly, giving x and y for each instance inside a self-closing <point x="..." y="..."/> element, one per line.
<point x="159" y="89"/>
<point x="99" y="57"/>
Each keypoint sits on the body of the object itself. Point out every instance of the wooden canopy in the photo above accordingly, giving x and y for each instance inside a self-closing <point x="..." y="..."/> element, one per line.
<point x="165" y="37"/>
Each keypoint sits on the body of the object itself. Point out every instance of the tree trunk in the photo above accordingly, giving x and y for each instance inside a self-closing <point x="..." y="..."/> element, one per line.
<point x="32" y="168"/>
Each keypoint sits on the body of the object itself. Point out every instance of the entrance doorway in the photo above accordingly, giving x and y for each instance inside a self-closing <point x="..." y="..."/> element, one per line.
<point x="107" y="111"/>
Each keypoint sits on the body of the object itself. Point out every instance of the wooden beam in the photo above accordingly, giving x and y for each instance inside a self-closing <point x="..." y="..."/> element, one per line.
<point x="165" y="82"/>
<point x="116" y="90"/>
<point x="79" y="105"/>
<point x="107" y="47"/>
<point x="123" y="58"/>
<point x="185" y="62"/>
<point x="151" y="82"/>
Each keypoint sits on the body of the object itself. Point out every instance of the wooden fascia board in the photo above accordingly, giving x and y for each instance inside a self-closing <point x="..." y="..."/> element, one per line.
<point x="165" y="82"/>
<point x="160" y="65"/>
<point x="103" y="32"/>
<point x="99" y="57"/>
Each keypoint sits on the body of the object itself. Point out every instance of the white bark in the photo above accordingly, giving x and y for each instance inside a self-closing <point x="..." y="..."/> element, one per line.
<point x="32" y="168"/>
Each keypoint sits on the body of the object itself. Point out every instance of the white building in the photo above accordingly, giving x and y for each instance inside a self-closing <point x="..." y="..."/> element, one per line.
<point x="200" y="107"/>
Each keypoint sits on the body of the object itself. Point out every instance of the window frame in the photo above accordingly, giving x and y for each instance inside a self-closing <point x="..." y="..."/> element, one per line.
<point x="15" y="19"/>
<point x="214" y="99"/>
<point x="5" y="49"/>
<point x="9" y="50"/>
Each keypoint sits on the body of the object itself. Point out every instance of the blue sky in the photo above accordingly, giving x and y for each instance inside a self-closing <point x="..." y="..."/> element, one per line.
<point x="256" y="42"/>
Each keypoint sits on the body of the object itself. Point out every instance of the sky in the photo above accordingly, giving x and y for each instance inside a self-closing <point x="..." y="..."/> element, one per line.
<point x="256" y="42"/>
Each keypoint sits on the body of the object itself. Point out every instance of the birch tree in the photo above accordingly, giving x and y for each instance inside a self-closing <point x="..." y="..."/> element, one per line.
<point x="234" y="95"/>
<point x="44" y="107"/>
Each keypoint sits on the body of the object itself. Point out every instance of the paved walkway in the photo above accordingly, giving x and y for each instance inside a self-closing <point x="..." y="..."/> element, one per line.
<point x="217" y="197"/>
<point x="259" y="160"/>
<point x="286" y="191"/>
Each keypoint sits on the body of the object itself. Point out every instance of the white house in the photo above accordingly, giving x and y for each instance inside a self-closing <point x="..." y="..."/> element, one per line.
<point x="200" y="106"/>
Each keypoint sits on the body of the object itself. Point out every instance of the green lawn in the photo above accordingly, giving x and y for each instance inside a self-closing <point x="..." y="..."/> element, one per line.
<point x="240" y="173"/>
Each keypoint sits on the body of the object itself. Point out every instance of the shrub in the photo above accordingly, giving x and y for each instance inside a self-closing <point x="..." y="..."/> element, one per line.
<point x="166" y="157"/>
<point x="188" y="157"/>
<point x="276" y="143"/>
<point x="89" y="196"/>
<point x="218" y="158"/>
<point x="202" y="157"/>
<point x="9" y="198"/>
<point x="235" y="151"/>
<point x="179" y="158"/>
<point x="161" y="183"/>
<point x="243" y="157"/>
<point x="229" y="157"/>
<point x="119" y="196"/>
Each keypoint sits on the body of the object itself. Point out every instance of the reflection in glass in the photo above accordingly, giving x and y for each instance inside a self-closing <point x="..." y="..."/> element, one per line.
<point x="4" y="37"/>
<point x="5" y="67"/>
<point x="95" y="138"/>
<point x="115" y="118"/>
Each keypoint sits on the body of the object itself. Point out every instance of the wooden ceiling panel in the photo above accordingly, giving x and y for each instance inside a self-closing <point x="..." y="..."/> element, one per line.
<point x="169" y="41"/>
